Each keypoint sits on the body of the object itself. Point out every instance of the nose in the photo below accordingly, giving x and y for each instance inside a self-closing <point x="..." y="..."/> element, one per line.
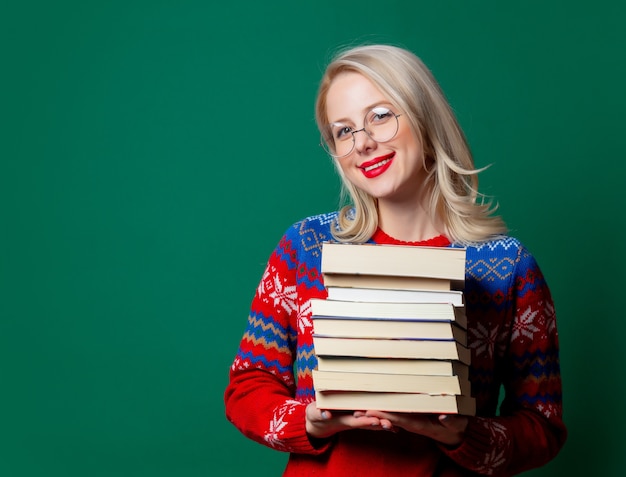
<point x="363" y="142"/>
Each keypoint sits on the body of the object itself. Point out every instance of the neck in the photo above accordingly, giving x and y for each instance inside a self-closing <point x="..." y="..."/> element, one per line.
<point x="409" y="224"/>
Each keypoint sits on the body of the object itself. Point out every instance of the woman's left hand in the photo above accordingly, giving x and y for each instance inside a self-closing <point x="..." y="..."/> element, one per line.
<point x="447" y="429"/>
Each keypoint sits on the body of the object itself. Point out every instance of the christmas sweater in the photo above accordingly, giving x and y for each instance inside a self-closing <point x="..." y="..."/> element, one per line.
<point x="513" y="339"/>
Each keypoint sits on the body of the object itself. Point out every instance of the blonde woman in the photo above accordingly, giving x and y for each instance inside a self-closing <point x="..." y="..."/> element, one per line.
<point x="410" y="178"/>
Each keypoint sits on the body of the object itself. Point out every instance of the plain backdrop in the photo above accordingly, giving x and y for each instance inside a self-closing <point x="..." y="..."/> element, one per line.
<point x="152" y="153"/>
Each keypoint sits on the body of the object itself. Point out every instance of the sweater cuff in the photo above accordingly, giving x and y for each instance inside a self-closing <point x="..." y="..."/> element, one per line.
<point x="299" y="441"/>
<point x="477" y="443"/>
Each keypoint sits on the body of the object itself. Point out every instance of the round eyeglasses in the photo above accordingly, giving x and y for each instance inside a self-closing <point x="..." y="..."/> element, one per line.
<point x="380" y="124"/>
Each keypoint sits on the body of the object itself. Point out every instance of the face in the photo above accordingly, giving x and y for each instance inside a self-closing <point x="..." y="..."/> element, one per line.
<point x="388" y="171"/>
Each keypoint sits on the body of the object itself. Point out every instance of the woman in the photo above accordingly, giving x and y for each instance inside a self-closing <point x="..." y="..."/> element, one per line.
<point x="407" y="168"/>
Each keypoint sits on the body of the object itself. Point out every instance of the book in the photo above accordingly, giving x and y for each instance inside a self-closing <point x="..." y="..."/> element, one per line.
<point x="424" y="311"/>
<point x="392" y="332"/>
<point x="388" y="328"/>
<point x="391" y="348"/>
<point x="395" y="296"/>
<point x="397" y="260"/>
<point x="357" y="364"/>
<point x="397" y="383"/>
<point x="390" y="282"/>
<point x="396" y="402"/>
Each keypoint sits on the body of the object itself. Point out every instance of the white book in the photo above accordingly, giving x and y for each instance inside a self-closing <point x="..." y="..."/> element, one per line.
<point x="395" y="296"/>
<point x="397" y="311"/>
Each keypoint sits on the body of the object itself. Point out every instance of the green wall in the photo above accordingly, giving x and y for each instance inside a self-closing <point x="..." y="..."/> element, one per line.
<point x="153" y="152"/>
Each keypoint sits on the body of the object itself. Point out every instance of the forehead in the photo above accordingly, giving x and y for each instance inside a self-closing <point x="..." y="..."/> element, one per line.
<point x="350" y="96"/>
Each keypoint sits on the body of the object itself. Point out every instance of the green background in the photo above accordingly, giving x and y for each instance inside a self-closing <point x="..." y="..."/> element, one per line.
<point x="153" y="153"/>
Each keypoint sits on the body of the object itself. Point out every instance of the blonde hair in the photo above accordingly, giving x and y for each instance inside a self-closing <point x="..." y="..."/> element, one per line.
<point x="452" y="180"/>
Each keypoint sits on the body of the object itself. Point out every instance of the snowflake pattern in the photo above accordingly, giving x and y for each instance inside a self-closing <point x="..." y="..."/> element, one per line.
<point x="276" y="430"/>
<point x="499" y="443"/>
<point x="266" y="276"/>
<point x="304" y="317"/>
<point x="273" y="287"/>
<point x="549" y="409"/>
<point x="532" y="322"/>
<point x="525" y="326"/>
<point x="550" y="314"/>
<point x="484" y="340"/>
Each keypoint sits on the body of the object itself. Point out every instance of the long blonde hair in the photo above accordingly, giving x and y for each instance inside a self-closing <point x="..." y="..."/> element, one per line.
<point x="452" y="180"/>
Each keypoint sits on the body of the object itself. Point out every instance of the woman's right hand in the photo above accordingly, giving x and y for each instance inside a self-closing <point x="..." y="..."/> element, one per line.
<point x="321" y="423"/>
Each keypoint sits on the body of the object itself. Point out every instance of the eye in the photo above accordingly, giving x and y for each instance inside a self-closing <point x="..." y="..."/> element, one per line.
<point x="341" y="132"/>
<point x="379" y="115"/>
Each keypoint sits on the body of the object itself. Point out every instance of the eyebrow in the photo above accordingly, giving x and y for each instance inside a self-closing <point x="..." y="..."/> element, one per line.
<point x="365" y="110"/>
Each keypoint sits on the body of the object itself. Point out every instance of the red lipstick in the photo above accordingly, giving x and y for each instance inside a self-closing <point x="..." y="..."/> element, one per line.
<point x="377" y="166"/>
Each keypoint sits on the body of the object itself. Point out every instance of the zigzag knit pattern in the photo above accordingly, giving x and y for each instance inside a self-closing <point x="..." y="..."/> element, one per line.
<point x="491" y="282"/>
<point x="511" y="330"/>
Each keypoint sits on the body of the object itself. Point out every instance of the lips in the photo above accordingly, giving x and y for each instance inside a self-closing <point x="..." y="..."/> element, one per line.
<point x="377" y="166"/>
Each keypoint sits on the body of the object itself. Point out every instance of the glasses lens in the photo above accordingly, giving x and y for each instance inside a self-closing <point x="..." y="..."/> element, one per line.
<point x="338" y="140"/>
<point x="381" y="124"/>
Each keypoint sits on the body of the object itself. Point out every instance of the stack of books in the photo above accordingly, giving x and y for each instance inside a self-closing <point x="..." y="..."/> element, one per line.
<point x="392" y="334"/>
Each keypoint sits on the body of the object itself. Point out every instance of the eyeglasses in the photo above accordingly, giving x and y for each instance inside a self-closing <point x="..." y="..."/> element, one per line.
<point x="380" y="124"/>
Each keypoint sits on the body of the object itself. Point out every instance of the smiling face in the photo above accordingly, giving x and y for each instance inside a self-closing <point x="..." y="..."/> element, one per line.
<point x="388" y="171"/>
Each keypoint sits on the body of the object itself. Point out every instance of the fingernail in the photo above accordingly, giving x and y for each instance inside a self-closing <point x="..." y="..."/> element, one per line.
<point x="324" y="415"/>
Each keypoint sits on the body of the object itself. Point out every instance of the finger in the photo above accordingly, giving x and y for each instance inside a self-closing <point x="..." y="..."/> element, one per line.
<point x="380" y="414"/>
<point x="314" y="414"/>
<point x="453" y="422"/>
<point x="387" y="425"/>
<point x="363" y="422"/>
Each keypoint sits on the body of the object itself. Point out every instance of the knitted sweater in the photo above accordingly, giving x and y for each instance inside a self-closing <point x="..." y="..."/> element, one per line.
<point x="511" y="333"/>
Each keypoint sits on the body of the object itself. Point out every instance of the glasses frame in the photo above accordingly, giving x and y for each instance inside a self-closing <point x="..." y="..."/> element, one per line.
<point x="324" y="144"/>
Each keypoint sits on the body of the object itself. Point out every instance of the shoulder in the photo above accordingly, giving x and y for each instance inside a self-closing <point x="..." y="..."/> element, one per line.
<point x="502" y="246"/>
<point x="305" y="237"/>
<point x="314" y="229"/>
<point x="503" y="257"/>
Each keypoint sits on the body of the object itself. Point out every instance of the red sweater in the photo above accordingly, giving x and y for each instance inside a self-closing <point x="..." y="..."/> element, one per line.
<point x="511" y="332"/>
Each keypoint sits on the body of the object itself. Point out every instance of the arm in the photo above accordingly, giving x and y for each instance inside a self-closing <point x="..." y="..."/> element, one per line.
<point x="524" y="344"/>
<point x="529" y="431"/>
<point x="260" y="397"/>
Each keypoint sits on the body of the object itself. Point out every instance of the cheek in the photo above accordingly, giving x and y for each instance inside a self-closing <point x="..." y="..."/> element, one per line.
<point x="415" y="145"/>
<point x="349" y="174"/>
<point x="342" y="167"/>
<point x="415" y="151"/>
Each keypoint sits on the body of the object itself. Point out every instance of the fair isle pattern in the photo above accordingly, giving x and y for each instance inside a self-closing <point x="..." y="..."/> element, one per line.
<point x="306" y="360"/>
<point x="486" y="340"/>
<point x="504" y="243"/>
<point x="525" y="328"/>
<point x="311" y="237"/>
<point x="263" y="335"/>
<point x="510" y="317"/>
<point x="287" y="285"/>
<point x="527" y="322"/>
<point x="492" y="268"/>
<point x="499" y="447"/>
<point x="279" y="421"/>
<point x="275" y="290"/>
